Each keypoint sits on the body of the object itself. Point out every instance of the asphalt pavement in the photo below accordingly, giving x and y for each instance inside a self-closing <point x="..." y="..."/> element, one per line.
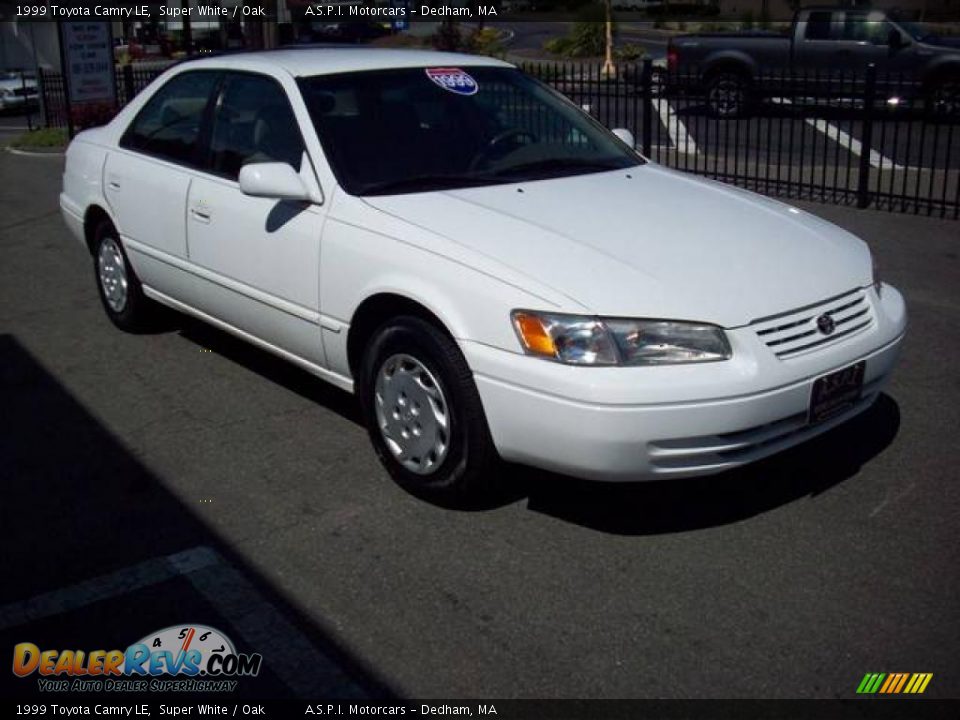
<point x="184" y="477"/>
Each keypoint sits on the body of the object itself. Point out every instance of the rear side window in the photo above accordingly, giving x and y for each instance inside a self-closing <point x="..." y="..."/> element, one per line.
<point x="818" y="26"/>
<point x="168" y="126"/>
<point x="253" y="123"/>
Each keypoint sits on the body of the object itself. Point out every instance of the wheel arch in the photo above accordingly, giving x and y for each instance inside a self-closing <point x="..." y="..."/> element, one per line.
<point x="94" y="215"/>
<point x="731" y="62"/>
<point x="375" y="310"/>
<point x="940" y="70"/>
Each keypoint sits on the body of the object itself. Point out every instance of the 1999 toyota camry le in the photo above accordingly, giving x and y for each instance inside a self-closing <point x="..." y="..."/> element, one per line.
<point x="493" y="273"/>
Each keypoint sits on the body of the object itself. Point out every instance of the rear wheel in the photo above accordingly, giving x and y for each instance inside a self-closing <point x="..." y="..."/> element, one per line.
<point x="424" y="415"/>
<point x="727" y="94"/>
<point x="119" y="288"/>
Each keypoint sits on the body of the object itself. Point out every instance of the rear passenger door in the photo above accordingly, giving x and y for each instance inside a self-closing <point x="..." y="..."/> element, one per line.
<point x="257" y="259"/>
<point x="146" y="179"/>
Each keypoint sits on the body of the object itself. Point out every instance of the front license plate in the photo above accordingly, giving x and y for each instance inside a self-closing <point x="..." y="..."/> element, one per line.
<point x="836" y="392"/>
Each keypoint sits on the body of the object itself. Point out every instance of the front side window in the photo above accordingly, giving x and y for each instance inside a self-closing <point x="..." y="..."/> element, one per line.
<point x="863" y="27"/>
<point x="253" y="123"/>
<point x="419" y="129"/>
<point x="168" y="126"/>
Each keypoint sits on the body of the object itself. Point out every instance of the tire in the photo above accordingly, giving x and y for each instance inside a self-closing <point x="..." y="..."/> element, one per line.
<point x="727" y="95"/>
<point x="117" y="284"/>
<point x="943" y="98"/>
<point x="414" y="379"/>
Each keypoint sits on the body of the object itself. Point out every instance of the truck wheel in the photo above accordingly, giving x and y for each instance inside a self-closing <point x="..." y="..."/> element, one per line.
<point x="117" y="284"/>
<point x="727" y="95"/>
<point x="424" y="416"/>
<point x="943" y="97"/>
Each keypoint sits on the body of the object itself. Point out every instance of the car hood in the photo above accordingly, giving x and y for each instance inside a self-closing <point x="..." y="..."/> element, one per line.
<point x="648" y="242"/>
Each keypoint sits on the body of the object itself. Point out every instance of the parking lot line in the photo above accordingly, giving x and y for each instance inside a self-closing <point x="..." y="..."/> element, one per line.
<point x="845" y="140"/>
<point x="257" y="621"/>
<point x="679" y="137"/>
<point x="121" y="582"/>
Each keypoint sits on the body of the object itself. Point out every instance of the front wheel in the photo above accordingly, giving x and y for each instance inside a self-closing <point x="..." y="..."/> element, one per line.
<point x="424" y="416"/>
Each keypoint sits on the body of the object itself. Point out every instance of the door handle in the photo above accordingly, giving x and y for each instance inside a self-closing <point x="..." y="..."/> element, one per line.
<point x="200" y="215"/>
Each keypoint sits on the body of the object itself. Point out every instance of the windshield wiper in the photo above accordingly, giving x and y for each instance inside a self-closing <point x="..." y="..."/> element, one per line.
<point x="558" y="164"/>
<point x="425" y="183"/>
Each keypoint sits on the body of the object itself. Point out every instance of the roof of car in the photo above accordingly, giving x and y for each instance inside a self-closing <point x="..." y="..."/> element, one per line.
<point x="307" y="61"/>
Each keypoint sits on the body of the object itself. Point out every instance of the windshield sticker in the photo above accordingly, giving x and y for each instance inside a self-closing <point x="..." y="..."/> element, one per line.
<point x="454" y="80"/>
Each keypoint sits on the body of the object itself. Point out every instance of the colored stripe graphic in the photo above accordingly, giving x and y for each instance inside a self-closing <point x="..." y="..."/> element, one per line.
<point x="926" y="681"/>
<point x="891" y="679"/>
<point x="894" y="683"/>
<point x="900" y="682"/>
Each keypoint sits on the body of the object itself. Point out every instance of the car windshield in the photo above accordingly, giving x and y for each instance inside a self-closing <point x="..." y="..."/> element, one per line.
<point x="419" y="129"/>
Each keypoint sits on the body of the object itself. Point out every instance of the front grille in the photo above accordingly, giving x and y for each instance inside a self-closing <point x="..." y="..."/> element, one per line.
<point x="796" y="331"/>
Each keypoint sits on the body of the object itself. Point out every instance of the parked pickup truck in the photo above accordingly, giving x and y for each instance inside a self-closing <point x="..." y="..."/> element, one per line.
<point x="733" y="69"/>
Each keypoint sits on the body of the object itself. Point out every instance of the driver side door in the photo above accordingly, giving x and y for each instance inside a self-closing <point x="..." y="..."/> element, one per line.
<point x="258" y="258"/>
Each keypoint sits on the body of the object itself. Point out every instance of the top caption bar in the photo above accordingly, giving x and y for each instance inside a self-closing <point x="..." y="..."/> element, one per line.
<point x="721" y="11"/>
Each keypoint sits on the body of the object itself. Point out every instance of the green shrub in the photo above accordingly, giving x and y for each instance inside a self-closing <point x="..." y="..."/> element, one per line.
<point x="448" y="37"/>
<point x="631" y="52"/>
<point x="44" y="138"/>
<point x="485" y="41"/>
<point x="587" y="37"/>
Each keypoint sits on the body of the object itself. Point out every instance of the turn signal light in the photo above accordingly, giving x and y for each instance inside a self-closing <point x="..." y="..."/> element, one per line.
<point x="534" y="335"/>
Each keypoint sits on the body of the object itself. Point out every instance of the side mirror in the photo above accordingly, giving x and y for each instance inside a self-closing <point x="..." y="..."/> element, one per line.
<point x="272" y="180"/>
<point x="626" y="136"/>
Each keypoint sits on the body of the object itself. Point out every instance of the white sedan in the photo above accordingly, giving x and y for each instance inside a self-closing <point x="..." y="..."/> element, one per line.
<point x="17" y="93"/>
<point x="493" y="273"/>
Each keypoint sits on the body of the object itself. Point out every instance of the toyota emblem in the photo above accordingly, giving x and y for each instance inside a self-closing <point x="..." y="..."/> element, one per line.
<point x="826" y="325"/>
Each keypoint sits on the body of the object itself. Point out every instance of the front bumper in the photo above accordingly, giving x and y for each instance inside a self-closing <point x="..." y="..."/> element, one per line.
<point x="635" y="423"/>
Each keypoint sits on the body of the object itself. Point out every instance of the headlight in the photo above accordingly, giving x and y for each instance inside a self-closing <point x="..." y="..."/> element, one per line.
<point x="580" y="340"/>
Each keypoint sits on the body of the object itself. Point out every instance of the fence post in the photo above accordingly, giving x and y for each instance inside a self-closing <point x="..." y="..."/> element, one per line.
<point x="44" y="102"/>
<point x="128" y="89"/>
<point x="866" y="136"/>
<point x="646" y="97"/>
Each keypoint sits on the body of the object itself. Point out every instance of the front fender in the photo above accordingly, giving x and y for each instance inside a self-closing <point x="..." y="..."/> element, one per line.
<point x="357" y="263"/>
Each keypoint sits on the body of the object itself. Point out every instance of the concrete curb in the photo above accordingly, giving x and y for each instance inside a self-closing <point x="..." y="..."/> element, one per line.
<point x="29" y="153"/>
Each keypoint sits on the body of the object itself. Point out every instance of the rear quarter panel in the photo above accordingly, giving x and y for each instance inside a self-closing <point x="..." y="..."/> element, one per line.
<point x="83" y="180"/>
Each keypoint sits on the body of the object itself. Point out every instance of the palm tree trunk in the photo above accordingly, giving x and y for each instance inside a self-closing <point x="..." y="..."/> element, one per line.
<point x="609" y="68"/>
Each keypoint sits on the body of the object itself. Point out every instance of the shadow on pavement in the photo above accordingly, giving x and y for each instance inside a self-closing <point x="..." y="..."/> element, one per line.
<point x="642" y="508"/>
<point x="669" y="506"/>
<point x="271" y="367"/>
<point x="77" y="509"/>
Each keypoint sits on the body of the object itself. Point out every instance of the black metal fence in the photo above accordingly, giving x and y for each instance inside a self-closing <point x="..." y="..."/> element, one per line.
<point x="854" y="137"/>
<point x="862" y="138"/>
<point x="130" y="79"/>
